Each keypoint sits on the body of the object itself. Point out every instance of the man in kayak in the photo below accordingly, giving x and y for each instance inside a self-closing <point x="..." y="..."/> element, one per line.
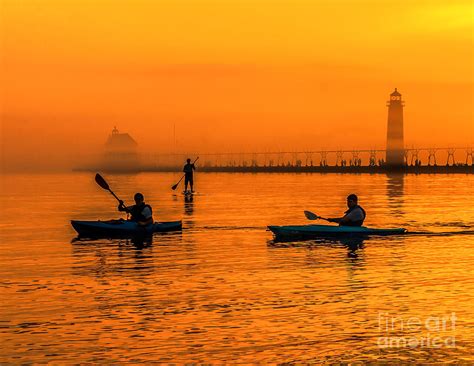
<point x="140" y="212"/>
<point x="354" y="216"/>
<point x="188" y="175"/>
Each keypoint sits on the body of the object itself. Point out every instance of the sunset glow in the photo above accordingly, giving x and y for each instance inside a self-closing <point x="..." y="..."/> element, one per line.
<point x="236" y="182"/>
<point x="232" y="75"/>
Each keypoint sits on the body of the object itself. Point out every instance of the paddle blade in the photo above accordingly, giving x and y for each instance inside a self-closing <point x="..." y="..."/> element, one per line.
<point x="175" y="186"/>
<point x="101" y="182"/>
<point x="310" y="215"/>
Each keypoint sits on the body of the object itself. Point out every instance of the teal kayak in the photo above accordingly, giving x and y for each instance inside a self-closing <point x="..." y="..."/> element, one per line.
<point x="328" y="230"/>
<point x="121" y="228"/>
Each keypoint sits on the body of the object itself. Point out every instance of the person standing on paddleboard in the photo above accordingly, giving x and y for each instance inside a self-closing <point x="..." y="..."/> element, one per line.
<point x="354" y="216"/>
<point x="140" y="212"/>
<point x="188" y="170"/>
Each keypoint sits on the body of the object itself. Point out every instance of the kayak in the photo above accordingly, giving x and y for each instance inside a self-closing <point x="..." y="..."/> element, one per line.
<point x="328" y="230"/>
<point x="121" y="228"/>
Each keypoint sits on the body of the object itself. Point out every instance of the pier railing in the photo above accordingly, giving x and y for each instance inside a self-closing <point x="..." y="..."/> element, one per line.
<point x="426" y="156"/>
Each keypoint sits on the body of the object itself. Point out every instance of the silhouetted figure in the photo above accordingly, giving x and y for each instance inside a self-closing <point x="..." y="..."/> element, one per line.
<point x="188" y="170"/>
<point x="140" y="212"/>
<point x="354" y="216"/>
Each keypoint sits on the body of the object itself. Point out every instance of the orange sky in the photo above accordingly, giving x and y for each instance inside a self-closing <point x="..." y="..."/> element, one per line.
<point x="231" y="74"/>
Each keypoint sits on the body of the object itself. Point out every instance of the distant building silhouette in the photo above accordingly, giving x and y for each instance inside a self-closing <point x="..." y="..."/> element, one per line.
<point x="395" y="145"/>
<point x="121" y="152"/>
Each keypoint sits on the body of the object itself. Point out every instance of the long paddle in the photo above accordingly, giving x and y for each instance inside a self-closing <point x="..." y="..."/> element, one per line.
<point x="179" y="181"/>
<point x="312" y="216"/>
<point x="103" y="184"/>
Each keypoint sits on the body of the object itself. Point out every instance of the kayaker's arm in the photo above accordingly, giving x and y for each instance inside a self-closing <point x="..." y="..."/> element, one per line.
<point x="348" y="218"/>
<point x="122" y="207"/>
<point x="345" y="220"/>
<point x="340" y="220"/>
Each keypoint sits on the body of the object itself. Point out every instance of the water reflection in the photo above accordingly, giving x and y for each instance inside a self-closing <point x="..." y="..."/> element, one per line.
<point x="210" y="293"/>
<point x="188" y="204"/>
<point x="353" y="244"/>
<point x="101" y="258"/>
<point x="354" y="263"/>
<point x="141" y="242"/>
<point x="138" y="241"/>
<point x="355" y="260"/>
<point x="395" y="194"/>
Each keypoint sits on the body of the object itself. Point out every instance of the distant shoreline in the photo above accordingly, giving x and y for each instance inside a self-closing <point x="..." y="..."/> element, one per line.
<point x="439" y="169"/>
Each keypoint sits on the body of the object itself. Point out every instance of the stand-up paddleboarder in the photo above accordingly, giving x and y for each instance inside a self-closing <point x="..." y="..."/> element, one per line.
<point x="188" y="170"/>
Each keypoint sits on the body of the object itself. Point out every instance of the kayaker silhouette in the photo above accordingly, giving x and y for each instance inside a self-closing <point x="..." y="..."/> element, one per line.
<point x="188" y="170"/>
<point x="140" y="212"/>
<point x="354" y="216"/>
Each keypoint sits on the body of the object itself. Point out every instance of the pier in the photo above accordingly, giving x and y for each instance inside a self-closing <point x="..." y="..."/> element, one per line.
<point x="416" y="160"/>
<point x="398" y="156"/>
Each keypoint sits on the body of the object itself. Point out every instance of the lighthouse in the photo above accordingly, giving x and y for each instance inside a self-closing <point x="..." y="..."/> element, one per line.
<point x="120" y="152"/>
<point x="395" y="147"/>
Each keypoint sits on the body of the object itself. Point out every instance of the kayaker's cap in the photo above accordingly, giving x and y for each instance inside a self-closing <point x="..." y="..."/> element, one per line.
<point x="138" y="197"/>
<point x="188" y="160"/>
<point x="352" y="197"/>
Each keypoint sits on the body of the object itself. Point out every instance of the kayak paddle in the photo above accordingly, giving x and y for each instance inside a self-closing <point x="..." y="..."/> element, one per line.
<point x="103" y="184"/>
<point x="312" y="216"/>
<point x="179" y="181"/>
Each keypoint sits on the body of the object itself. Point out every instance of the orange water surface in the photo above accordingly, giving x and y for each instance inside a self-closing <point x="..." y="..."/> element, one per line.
<point x="223" y="290"/>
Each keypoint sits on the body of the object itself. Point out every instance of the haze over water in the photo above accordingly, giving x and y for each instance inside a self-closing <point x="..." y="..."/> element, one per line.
<point x="215" y="76"/>
<point x="222" y="290"/>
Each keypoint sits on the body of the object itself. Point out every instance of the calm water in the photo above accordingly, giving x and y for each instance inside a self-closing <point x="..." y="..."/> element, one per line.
<point x="222" y="290"/>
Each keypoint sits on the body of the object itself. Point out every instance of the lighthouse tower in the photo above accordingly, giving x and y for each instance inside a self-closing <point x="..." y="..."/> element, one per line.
<point x="395" y="147"/>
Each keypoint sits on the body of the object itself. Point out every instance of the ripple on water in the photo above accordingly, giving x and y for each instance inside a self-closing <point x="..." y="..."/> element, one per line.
<point x="224" y="289"/>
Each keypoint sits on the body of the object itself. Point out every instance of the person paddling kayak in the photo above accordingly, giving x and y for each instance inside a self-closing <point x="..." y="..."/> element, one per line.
<point x="140" y="212"/>
<point x="354" y="216"/>
<point x="188" y="170"/>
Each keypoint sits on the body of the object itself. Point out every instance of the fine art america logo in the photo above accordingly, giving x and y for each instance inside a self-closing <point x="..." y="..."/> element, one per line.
<point x="416" y="332"/>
